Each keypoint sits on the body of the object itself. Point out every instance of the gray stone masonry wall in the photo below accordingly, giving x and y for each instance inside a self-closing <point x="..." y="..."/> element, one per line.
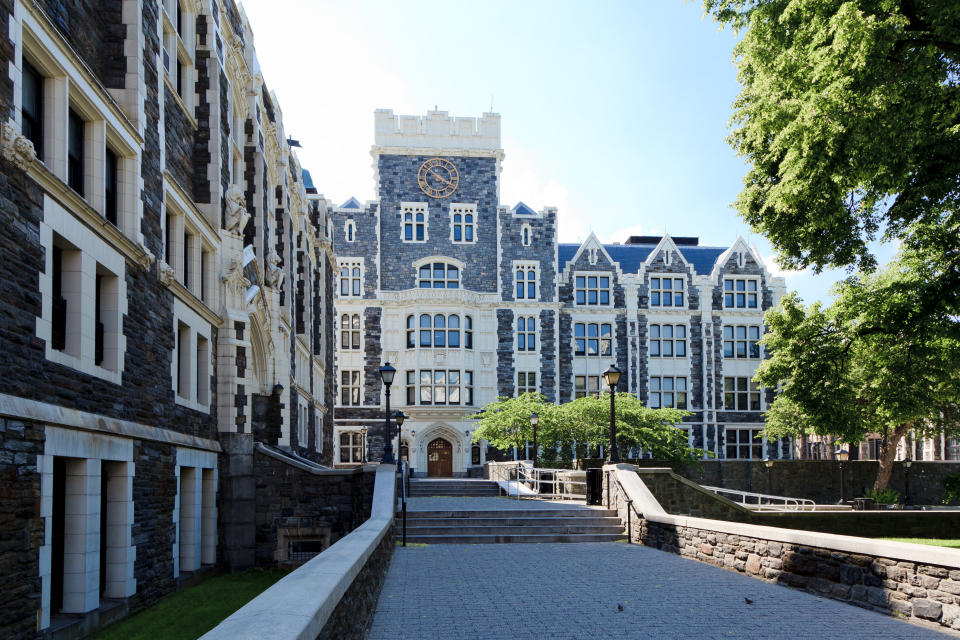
<point x="154" y="531"/>
<point x="398" y="183"/>
<point x="505" y="369"/>
<point x="565" y="371"/>
<point x="543" y="248"/>
<point x="695" y="349"/>
<point x="678" y="266"/>
<point x="364" y="245"/>
<point x="919" y="592"/>
<point x="94" y="29"/>
<point x="205" y="63"/>
<point x="288" y="496"/>
<point x="353" y="615"/>
<point x="21" y="527"/>
<point x="236" y="513"/>
<point x="750" y="268"/>
<point x="372" y="350"/>
<point x="179" y="140"/>
<point x="548" y="355"/>
<point x="620" y="329"/>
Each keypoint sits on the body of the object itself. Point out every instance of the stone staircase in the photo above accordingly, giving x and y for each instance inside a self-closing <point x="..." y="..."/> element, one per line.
<point x="514" y="525"/>
<point x="452" y="487"/>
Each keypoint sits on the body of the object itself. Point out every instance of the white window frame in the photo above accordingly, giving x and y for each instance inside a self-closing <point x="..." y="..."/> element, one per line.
<point x="355" y="384"/>
<point x="352" y="264"/>
<point x="523" y="382"/>
<point x="586" y="275"/>
<point x="350" y="231"/>
<point x="526" y="234"/>
<point x="350" y="331"/>
<point x="660" y="340"/>
<point x="673" y="277"/>
<point x="355" y="448"/>
<point x="465" y="386"/>
<point x="527" y="335"/>
<point x="191" y="364"/>
<point x="415" y="333"/>
<point x="415" y="209"/>
<point x="434" y="260"/>
<point x="184" y="43"/>
<point x="588" y="387"/>
<point x="746" y="292"/>
<point x="735" y="341"/>
<point x="752" y="388"/>
<point x="659" y="389"/>
<point x="195" y="513"/>
<point x="463" y="210"/>
<point x="526" y="266"/>
<point x="753" y="441"/>
<point x="599" y="338"/>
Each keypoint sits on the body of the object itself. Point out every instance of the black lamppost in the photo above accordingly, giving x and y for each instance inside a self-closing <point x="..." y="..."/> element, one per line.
<point x="611" y="378"/>
<point x="399" y="417"/>
<point x="534" y="421"/>
<point x="363" y="442"/>
<point x="906" y="480"/>
<point x="841" y="455"/>
<point x="386" y="376"/>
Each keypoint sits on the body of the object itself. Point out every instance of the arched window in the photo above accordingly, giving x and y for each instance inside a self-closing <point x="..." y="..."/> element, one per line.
<point x="526" y="235"/>
<point x="526" y="333"/>
<point x="438" y="330"/>
<point x="439" y="275"/>
<point x="408" y="226"/>
<point x="350" y="331"/>
<point x="419" y="227"/>
<point x="457" y="227"/>
<point x="468" y="332"/>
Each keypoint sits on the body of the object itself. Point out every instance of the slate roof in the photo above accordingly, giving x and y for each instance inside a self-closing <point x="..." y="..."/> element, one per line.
<point x="523" y="210"/>
<point x="352" y="203"/>
<point x="631" y="256"/>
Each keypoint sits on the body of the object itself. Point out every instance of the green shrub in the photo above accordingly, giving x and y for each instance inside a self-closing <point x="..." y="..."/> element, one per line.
<point x="951" y="488"/>
<point x="884" y="496"/>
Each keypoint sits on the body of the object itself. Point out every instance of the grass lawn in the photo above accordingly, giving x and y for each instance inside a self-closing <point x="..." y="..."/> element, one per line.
<point x="936" y="542"/>
<point x="189" y="614"/>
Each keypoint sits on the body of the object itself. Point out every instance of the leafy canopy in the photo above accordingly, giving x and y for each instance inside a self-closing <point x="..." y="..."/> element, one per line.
<point x="849" y="115"/>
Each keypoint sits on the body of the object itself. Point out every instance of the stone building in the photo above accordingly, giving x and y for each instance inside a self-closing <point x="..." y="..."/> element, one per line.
<point x="167" y="291"/>
<point x="470" y="300"/>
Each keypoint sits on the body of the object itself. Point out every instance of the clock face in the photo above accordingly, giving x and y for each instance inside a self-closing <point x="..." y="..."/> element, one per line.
<point x="438" y="178"/>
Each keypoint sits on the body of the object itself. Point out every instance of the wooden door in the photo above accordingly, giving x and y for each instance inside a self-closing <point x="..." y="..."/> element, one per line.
<point x="440" y="458"/>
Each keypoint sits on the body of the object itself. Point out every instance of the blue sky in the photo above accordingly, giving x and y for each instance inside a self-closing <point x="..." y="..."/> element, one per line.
<point x="614" y="112"/>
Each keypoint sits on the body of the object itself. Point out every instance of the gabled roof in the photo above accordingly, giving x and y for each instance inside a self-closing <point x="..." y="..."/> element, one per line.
<point x="631" y="256"/>
<point x="523" y="210"/>
<point x="352" y="203"/>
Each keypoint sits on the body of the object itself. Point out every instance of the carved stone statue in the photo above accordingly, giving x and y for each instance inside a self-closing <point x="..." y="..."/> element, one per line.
<point x="16" y="148"/>
<point x="234" y="279"/>
<point x="165" y="273"/>
<point x="237" y="215"/>
<point x="274" y="273"/>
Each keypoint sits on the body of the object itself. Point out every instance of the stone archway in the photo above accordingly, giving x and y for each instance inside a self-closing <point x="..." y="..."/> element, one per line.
<point x="439" y="458"/>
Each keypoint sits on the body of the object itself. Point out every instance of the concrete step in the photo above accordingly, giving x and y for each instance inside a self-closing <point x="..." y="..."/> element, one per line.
<point x="511" y="522"/>
<point x="515" y="513"/>
<point x="523" y="529"/>
<point x="511" y="538"/>
<point x="426" y="493"/>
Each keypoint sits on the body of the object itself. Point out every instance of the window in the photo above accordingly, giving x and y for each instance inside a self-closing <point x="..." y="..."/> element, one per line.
<point x="592" y="290"/>
<point x="75" y="133"/>
<point x="351" y="231"/>
<point x="31" y="98"/>
<point x="815" y="451"/>
<point x="741" y="394"/>
<point x="873" y="449"/>
<point x="586" y="385"/>
<point x="438" y="330"/>
<point x="178" y="31"/>
<point x="526" y="281"/>
<point x="110" y="186"/>
<point x="350" y="388"/>
<point x="414" y="222"/>
<point x="952" y="451"/>
<point x="183" y="360"/>
<point x="526" y="333"/>
<point x="668" y="341"/>
<point x="526" y="382"/>
<point x="350" y="331"/>
<point x="463" y="218"/>
<point x="350" y="279"/>
<point x="668" y="392"/>
<point x="741" y="341"/>
<point x="744" y="444"/>
<point x="526" y="235"/>
<point x="203" y="369"/>
<point x="739" y="293"/>
<point x="439" y="275"/>
<point x="351" y="447"/>
<point x="66" y="267"/>
<point x="592" y="339"/>
<point x="439" y="387"/>
<point x="666" y="292"/>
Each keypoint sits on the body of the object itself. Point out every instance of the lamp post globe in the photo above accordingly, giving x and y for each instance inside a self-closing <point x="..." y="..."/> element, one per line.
<point x="399" y="417"/>
<point x="386" y="376"/>
<point x="611" y="377"/>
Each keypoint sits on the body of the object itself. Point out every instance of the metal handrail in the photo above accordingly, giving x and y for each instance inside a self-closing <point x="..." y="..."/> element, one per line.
<point x="523" y="474"/>
<point x="766" y="502"/>
<point x="630" y="508"/>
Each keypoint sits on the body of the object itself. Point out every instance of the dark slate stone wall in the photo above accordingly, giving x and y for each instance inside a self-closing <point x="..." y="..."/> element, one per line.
<point x="643" y="376"/>
<point x="179" y="141"/>
<point x="364" y="246"/>
<point x="154" y="530"/>
<point x="548" y="355"/>
<point x="505" y="369"/>
<point x="620" y="329"/>
<point x="95" y="31"/>
<point x="677" y="265"/>
<point x="543" y="247"/>
<point x="398" y="183"/>
<point x="6" y="57"/>
<point x="206" y="64"/>
<point x="372" y="349"/>
<point x="566" y="359"/>
<point x="695" y="350"/>
<point x="21" y="527"/>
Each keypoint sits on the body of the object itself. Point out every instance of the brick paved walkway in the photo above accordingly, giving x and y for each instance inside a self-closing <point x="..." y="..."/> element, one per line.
<point x="571" y="591"/>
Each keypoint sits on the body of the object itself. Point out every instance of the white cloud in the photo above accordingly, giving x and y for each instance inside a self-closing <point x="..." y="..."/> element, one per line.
<point x="776" y="270"/>
<point x="621" y="235"/>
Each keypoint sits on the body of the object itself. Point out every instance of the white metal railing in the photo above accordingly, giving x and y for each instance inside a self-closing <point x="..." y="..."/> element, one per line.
<point x="522" y="480"/>
<point x="765" y="502"/>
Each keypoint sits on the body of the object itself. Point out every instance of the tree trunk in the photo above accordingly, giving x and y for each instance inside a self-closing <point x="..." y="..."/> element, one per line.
<point x="887" y="455"/>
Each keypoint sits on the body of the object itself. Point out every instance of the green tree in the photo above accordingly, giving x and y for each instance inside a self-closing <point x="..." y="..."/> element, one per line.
<point x="505" y="422"/>
<point x="849" y="115"/>
<point x="848" y="370"/>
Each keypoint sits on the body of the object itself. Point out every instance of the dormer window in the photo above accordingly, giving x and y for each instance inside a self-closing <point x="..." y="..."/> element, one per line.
<point x="666" y="292"/>
<point x="740" y="293"/>
<point x="592" y="290"/>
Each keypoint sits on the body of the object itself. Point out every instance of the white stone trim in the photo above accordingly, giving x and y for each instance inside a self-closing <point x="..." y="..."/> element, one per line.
<point x="464" y="209"/>
<point x="414" y="209"/>
<point x="525" y="266"/>
<point x="194" y="510"/>
<point x="197" y="326"/>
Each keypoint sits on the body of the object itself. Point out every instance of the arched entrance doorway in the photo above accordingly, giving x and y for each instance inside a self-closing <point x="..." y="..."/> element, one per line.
<point x="439" y="458"/>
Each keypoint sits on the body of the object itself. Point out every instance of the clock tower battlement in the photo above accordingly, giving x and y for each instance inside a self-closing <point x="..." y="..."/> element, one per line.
<point x="436" y="134"/>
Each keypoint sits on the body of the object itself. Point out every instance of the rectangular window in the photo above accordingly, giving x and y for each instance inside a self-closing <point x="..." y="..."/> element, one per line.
<point x="98" y="321"/>
<point x="183" y="361"/>
<point x="741" y="394"/>
<point x="743" y="444"/>
<point x="351" y="447"/>
<point x="741" y="341"/>
<point x="668" y="392"/>
<point x="592" y="290"/>
<point x="206" y="259"/>
<point x="440" y="387"/>
<point x="526" y="333"/>
<point x="586" y="385"/>
<point x="668" y="341"/>
<point x="592" y="339"/>
<point x="526" y="282"/>
<point x="350" y="279"/>
<point x="111" y="186"/>
<point x="31" y="97"/>
<point x="67" y="280"/>
<point x="414" y="222"/>
<point x="350" y="331"/>
<point x="526" y="382"/>
<point x="740" y="293"/>
<point x="203" y="370"/>
<point x="463" y="220"/>
<point x="188" y="240"/>
<point x="75" y="132"/>
<point x="952" y="451"/>
<point x="350" y="388"/>
<point x="58" y="336"/>
<point x="666" y="292"/>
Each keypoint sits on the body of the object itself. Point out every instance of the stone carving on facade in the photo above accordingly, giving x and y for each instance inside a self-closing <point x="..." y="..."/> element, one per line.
<point x="274" y="273"/>
<point x="234" y="280"/>
<point x="237" y="214"/>
<point x="16" y="148"/>
<point x="486" y="359"/>
<point x="165" y="273"/>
